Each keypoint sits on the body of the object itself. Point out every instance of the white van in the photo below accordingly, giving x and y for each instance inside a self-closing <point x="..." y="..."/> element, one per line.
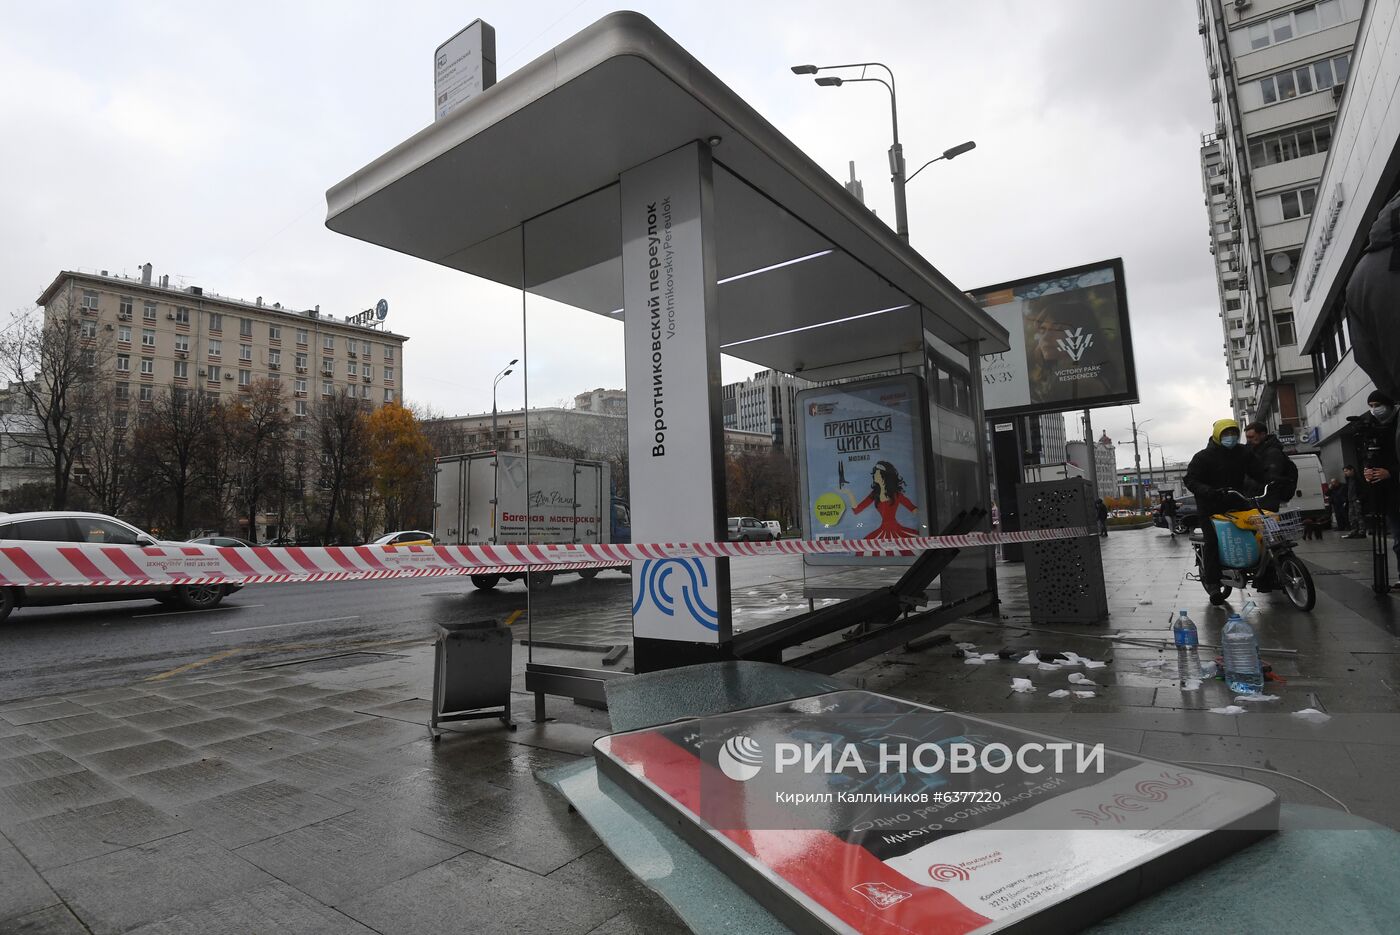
<point x="1309" y="497"/>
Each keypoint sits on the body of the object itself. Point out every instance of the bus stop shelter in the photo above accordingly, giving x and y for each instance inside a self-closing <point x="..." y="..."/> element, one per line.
<point x="615" y="175"/>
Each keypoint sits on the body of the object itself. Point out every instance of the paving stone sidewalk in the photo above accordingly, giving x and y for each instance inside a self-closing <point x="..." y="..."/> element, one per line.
<point x="307" y="798"/>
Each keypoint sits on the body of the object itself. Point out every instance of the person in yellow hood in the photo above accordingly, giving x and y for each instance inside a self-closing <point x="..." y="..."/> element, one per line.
<point x="1223" y="464"/>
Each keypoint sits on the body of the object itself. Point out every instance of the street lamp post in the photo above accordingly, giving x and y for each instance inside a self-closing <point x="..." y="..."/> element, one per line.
<point x="495" y="442"/>
<point x="1137" y="455"/>
<point x="897" y="176"/>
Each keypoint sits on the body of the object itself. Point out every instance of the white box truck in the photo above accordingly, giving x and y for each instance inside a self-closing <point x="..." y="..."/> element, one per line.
<point x="482" y="499"/>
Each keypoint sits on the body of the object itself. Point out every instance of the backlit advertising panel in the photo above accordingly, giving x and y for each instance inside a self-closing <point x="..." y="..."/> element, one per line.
<point x="863" y="456"/>
<point x="1071" y="344"/>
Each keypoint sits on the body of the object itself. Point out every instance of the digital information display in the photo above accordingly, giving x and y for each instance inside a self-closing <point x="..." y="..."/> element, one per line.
<point x="1071" y="344"/>
<point x="849" y="812"/>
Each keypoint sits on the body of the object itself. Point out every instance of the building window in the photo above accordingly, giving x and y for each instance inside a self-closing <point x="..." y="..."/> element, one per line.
<point x="301" y="385"/>
<point x="88" y="358"/>
<point x="1232" y="305"/>
<point x="1305" y="79"/>
<point x="274" y="358"/>
<point x="215" y="373"/>
<point x="148" y="337"/>
<point x="148" y="311"/>
<point x="1287" y="206"/>
<point x="1283" y="325"/>
<point x="124" y="310"/>
<point x="216" y="348"/>
<point x="388" y="352"/>
<point x="352" y="369"/>
<point x="366" y="371"/>
<point x="1299" y="22"/>
<point x="365" y="349"/>
<point x="245" y="327"/>
<point x="328" y="342"/>
<point x="245" y="352"/>
<point x="245" y="378"/>
<point x="120" y="417"/>
<point x="301" y="408"/>
<point x="123" y="392"/>
<point x="148" y="366"/>
<point x="1296" y="143"/>
<point x="89" y="300"/>
<point x="182" y="316"/>
<point x="182" y="343"/>
<point x="274" y="333"/>
<point x="216" y="322"/>
<point x="327" y="389"/>
<point x="123" y="363"/>
<point x="388" y="396"/>
<point x="301" y="337"/>
<point x="327" y="366"/>
<point x="1236" y="324"/>
<point x="364" y="392"/>
<point x="182" y="369"/>
<point x="147" y="394"/>
<point x="301" y="362"/>
<point x="389" y="374"/>
<point x="88" y="328"/>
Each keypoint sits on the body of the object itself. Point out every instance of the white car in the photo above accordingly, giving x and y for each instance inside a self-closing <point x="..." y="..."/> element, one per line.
<point x="67" y="526"/>
<point x="775" y="527"/>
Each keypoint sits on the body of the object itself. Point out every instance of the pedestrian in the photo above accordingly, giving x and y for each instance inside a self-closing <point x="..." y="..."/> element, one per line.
<point x="1101" y="511"/>
<point x="1169" y="511"/>
<point x="1372" y="295"/>
<point x="1381" y="469"/>
<point x="1280" y="473"/>
<point x="1356" y="521"/>
<point x="1221" y="466"/>
<point x="1337" y="500"/>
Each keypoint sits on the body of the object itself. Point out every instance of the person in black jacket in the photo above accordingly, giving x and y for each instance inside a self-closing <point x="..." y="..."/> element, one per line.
<point x="1280" y="473"/>
<point x="1381" y="469"/>
<point x="1222" y="465"/>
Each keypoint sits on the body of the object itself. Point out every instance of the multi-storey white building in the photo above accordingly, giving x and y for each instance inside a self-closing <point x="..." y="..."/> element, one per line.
<point x="161" y="337"/>
<point x="1277" y="70"/>
<point x="765" y="402"/>
<point x="1105" y="463"/>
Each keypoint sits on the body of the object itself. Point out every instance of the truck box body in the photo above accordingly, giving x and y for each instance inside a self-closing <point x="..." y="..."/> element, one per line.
<point x="483" y="498"/>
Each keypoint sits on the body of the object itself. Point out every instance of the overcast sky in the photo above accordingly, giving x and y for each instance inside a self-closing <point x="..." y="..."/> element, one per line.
<point x="202" y="138"/>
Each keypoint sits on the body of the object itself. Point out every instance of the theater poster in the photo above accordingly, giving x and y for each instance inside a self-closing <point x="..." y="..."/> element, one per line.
<point x="864" y="453"/>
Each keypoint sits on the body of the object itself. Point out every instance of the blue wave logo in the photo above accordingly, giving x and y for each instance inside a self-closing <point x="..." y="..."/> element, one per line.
<point x="688" y="576"/>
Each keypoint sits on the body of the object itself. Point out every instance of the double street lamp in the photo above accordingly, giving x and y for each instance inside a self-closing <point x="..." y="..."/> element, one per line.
<point x="495" y="442"/>
<point x="897" y="176"/>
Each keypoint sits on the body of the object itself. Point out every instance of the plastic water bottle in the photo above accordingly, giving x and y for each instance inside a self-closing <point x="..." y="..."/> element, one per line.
<point x="1240" y="648"/>
<point x="1188" y="656"/>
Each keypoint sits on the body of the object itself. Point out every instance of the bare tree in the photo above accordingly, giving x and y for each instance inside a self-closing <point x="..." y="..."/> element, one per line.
<point x="172" y="444"/>
<point x="109" y="475"/>
<point x="257" y="423"/>
<point x="343" y="438"/>
<point x="57" y="363"/>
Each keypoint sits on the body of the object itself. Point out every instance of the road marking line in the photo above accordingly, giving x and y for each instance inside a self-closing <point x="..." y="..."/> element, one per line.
<point x="194" y="665"/>
<point x="513" y="617"/>
<point x="207" y="610"/>
<point x="274" y="626"/>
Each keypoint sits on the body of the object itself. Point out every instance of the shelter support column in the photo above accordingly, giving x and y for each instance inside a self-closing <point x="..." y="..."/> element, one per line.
<point x="680" y="606"/>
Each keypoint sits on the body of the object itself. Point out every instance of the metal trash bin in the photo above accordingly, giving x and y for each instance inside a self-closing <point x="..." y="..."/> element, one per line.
<point x="1064" y="577"/>
<point x="471" y="673"/>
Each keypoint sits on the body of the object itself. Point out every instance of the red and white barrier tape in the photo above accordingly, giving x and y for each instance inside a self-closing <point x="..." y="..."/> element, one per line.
<point x="44" y="564"/>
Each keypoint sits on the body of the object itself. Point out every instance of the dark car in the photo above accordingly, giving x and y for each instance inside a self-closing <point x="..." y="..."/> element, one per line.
<point x="1187" y="517"/>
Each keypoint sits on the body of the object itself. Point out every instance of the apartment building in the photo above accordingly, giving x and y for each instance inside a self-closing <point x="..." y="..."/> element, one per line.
<point x="1277" y="71"/>
<point x="766" y="402"/>
<point x="156" y="336"/>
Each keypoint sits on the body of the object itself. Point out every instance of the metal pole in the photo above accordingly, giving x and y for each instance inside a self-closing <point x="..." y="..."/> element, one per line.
<point x="901" y="212"/>
<point x="1089" y="453"/>
<point x="1150" y="479"/>
<point x="1137" y="459"/>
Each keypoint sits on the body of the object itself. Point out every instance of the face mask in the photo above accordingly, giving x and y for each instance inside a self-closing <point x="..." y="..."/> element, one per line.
<point x="1229" y="441"/>
<point x="1380" y="412"/>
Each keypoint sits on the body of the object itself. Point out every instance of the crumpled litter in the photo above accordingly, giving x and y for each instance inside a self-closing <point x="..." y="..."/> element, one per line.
<point x="969" y="654"/>
<point x="1022" y="685"/>
<point x="1083" y="694"/>
<point x="1091" y="664"/>
<point x="965" y="646"/>
<point x="1256" y="699"/>
<point x="974" y="661"/>
<point x="1031" y="658"/>
<point x="990" y="656"/>
<point x="1078" y="679"/>
<point x="1313" y="715"/>
<point x="1191" y="685"/>
<point x="1048" y="667"/>
<point x="1208" y="670"/>
<point x="1059" y="693"/>
<point x="1228" y="709"/>
<point x="1152" y="664"/>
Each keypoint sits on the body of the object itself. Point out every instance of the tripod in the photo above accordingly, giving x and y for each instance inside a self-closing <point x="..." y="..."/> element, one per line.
<point x="1380" y="553"/>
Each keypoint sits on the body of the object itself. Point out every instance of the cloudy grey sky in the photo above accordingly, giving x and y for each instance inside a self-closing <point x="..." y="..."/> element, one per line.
<point x="202" y="138"/>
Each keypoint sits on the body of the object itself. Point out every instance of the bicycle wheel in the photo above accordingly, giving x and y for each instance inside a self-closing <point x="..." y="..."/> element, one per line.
<point x="1297" y="582"/>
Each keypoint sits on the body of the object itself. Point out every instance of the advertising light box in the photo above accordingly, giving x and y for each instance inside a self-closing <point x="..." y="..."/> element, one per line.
<point x="1071" y="344"/>
<point x="856" y="812"/>
<point x="863" y="448"/>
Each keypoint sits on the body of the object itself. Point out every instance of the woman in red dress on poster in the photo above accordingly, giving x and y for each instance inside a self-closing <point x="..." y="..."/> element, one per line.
<point x="887" y="495"/>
